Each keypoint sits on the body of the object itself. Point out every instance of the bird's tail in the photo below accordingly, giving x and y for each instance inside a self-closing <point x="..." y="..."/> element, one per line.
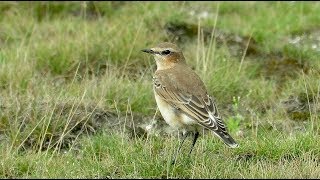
<point x="227" y="139"/>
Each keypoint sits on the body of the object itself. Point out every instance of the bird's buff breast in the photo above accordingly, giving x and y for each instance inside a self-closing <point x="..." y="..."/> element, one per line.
<point x="175" y="119"/>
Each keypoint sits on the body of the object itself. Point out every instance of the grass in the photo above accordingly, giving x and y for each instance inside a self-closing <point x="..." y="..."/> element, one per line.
<point x="114" y="155"/>
<point x="74" y="86"/>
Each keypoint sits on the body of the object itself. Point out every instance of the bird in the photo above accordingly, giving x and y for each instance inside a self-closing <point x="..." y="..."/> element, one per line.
<point x="182" y="97"/>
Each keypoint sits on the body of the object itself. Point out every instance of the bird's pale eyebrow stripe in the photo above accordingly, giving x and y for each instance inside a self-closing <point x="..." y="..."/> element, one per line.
<point x="157" y="50"/>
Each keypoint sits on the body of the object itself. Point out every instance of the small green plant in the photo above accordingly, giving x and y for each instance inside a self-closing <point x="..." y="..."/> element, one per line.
<point x="233" y="122"/>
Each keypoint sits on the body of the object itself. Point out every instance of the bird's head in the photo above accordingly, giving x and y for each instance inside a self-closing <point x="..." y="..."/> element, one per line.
<point x="166" y="54"/>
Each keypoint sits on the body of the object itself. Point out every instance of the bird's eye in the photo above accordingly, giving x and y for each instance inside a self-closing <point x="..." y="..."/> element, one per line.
<point x="165" y="52"/>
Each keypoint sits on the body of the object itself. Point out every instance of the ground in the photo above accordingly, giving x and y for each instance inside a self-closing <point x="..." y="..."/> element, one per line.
<point x="76" y="94"/>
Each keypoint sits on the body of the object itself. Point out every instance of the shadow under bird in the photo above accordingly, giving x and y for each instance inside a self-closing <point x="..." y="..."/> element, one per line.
<point x="182" y="97"/>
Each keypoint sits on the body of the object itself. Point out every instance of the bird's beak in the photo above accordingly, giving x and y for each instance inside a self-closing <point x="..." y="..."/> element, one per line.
<point x="148" y="51"/>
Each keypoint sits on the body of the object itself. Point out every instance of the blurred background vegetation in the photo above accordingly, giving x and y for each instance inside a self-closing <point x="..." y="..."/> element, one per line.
<point x="76" y="96"/>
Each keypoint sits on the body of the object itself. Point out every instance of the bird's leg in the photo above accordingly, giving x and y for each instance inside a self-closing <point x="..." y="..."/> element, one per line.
<point x="180" y="145"/>
<point x="195" y="137"/>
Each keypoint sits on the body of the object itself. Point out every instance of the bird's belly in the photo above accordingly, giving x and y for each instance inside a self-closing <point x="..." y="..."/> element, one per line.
<point x="172" y="116"/>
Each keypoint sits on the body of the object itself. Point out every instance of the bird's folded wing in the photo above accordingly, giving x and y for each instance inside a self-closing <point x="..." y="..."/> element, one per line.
<point x="201" y="109"/>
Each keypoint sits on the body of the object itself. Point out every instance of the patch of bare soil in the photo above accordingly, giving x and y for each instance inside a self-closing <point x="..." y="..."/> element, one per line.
<point x="301" y="107"/>
<point x="61" y="127"/>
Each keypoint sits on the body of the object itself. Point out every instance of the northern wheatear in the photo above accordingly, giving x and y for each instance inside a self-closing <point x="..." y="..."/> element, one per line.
<point x="182" y="97"/>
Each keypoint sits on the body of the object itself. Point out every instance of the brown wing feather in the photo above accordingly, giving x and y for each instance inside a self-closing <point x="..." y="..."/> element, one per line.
<point x="196" y="108"/>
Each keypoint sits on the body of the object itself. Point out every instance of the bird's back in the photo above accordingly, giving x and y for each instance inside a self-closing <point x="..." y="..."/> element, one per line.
<point x="182" y="78"/>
